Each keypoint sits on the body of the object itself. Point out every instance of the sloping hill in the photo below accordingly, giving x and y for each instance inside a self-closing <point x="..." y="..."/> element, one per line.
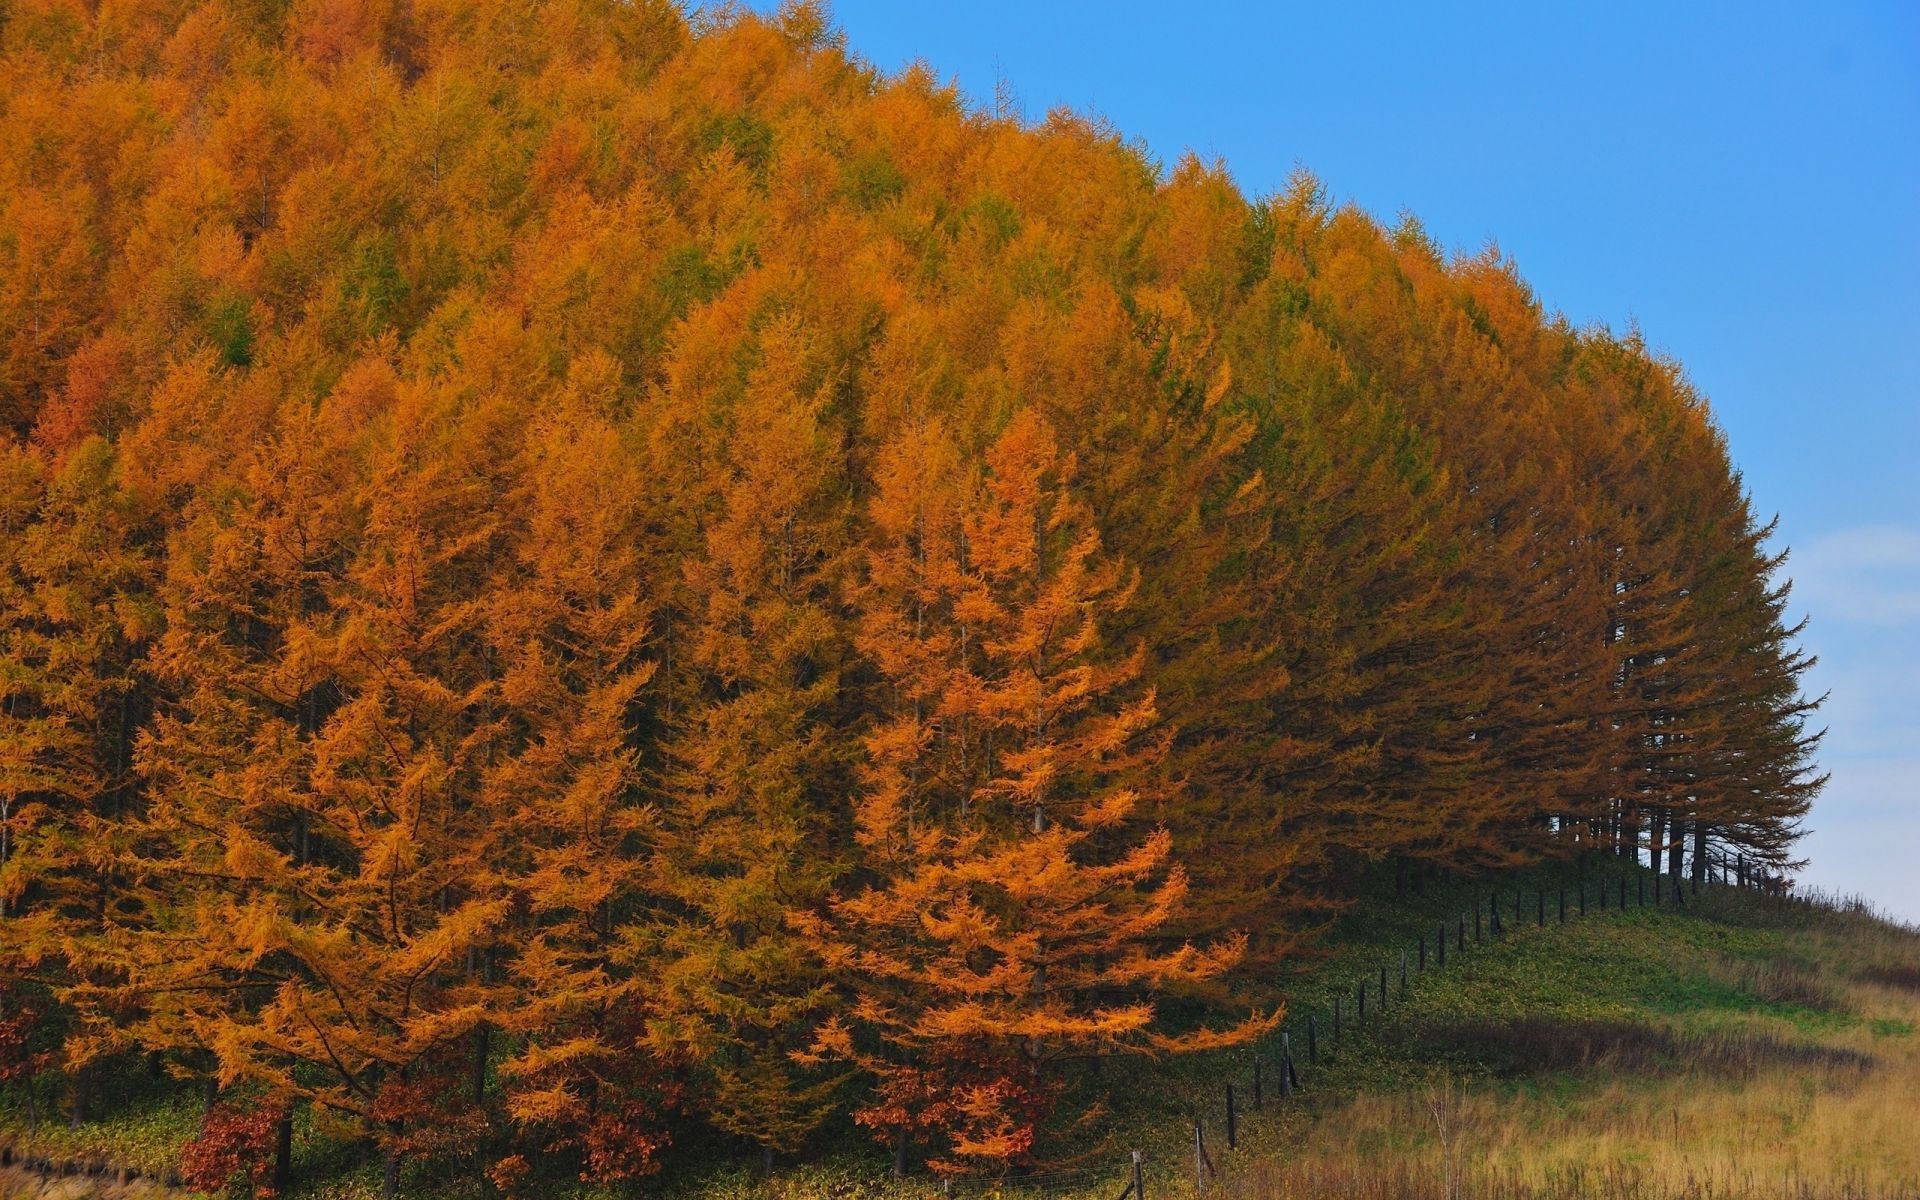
<point x="1737" y="1047"/>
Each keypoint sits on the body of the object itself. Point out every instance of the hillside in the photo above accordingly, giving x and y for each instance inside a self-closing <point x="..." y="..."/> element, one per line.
<point x="591" y="588"/>
<point x="1739" y="1047"/>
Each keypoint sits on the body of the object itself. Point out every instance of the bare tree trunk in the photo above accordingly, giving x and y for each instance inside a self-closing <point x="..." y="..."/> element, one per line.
<point x="82" y="1080"/>
<point x="283" y="1151"/>
<point x="481" y="1045"/>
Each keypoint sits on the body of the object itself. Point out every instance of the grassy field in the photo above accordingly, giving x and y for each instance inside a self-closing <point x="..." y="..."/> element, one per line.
<point x="1743" y="1049"/>
<point x="1739" y="1048"/>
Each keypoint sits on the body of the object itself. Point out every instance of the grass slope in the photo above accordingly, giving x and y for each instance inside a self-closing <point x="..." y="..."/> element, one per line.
<point x="1738" y="1048"/>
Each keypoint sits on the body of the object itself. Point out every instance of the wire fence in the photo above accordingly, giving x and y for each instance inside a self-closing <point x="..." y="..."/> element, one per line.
<point x="1306" y="1046"/>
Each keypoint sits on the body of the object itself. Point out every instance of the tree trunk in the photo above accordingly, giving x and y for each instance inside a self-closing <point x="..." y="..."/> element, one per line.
<point x="82" y="1078"/>
<point x="1676" y="843"/>
<point x="480" y="1048"/>
<point x="283" y="1151"/>
<point x="1699" y="854"/>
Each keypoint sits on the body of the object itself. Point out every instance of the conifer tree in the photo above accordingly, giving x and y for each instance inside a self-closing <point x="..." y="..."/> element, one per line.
<point x="1011" y="922"/>
<point x="567" y="623"/>
<point x="577" y="574"/>
<point x="749" y="761"/>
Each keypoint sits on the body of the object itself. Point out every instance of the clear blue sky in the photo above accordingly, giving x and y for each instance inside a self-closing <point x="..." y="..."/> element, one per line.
<point x="1741" y="180"/>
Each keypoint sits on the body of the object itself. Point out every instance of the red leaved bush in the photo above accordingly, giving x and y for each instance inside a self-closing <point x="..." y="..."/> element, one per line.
<point x="610" y="1106"/>
<point x="429" y="1113"/>
<point x="234" y="1150"/>
<point x="967" y="1110"/>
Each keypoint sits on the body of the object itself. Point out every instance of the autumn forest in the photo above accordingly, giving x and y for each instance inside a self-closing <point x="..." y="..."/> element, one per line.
<point x="576" y="576"/>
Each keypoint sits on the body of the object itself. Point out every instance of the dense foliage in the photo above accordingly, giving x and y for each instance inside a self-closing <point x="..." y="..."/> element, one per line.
<point x="570" y="573"/>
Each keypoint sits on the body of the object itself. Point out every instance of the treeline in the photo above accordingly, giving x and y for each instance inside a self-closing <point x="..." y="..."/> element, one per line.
<point x="574" y="574"/>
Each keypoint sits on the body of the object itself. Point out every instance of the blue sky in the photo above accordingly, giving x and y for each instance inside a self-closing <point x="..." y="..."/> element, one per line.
<point x="1743" y="181"/>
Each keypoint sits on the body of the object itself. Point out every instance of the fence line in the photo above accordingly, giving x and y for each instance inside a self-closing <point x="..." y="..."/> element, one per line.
<point x="1668" y="890"/>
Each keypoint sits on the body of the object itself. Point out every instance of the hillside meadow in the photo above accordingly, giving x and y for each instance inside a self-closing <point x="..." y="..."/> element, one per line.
<point x="1739" y="1049"/>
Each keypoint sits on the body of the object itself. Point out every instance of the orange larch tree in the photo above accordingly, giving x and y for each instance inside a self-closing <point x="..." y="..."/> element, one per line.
<point x="1012" y="916"/>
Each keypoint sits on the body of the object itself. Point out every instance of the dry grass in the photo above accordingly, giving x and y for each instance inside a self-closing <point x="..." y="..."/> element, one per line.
<point x="1785" y="981"/>
<point x="1761" y="1110"/>
<point x="1904" y="976"/>
<point x="1533" y="1044"/>
<point x="1609" y="1181"/>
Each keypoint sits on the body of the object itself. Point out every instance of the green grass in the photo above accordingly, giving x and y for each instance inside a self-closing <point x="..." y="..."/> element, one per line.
<point x="140" y="1124"/>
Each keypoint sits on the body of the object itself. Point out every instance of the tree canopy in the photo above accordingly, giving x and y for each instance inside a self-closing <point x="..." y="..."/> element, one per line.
<point x="572" y="572"/>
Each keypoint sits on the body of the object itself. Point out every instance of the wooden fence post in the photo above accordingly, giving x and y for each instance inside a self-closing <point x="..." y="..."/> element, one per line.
<point x="1286" y="1067"/>
<point x="1383" y="989"/>
<point x="1403" y="974"/>
<point x="1199" y="1161"/>
<point x="1139" y="1182"/>
<point x="1463" y="927"/>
